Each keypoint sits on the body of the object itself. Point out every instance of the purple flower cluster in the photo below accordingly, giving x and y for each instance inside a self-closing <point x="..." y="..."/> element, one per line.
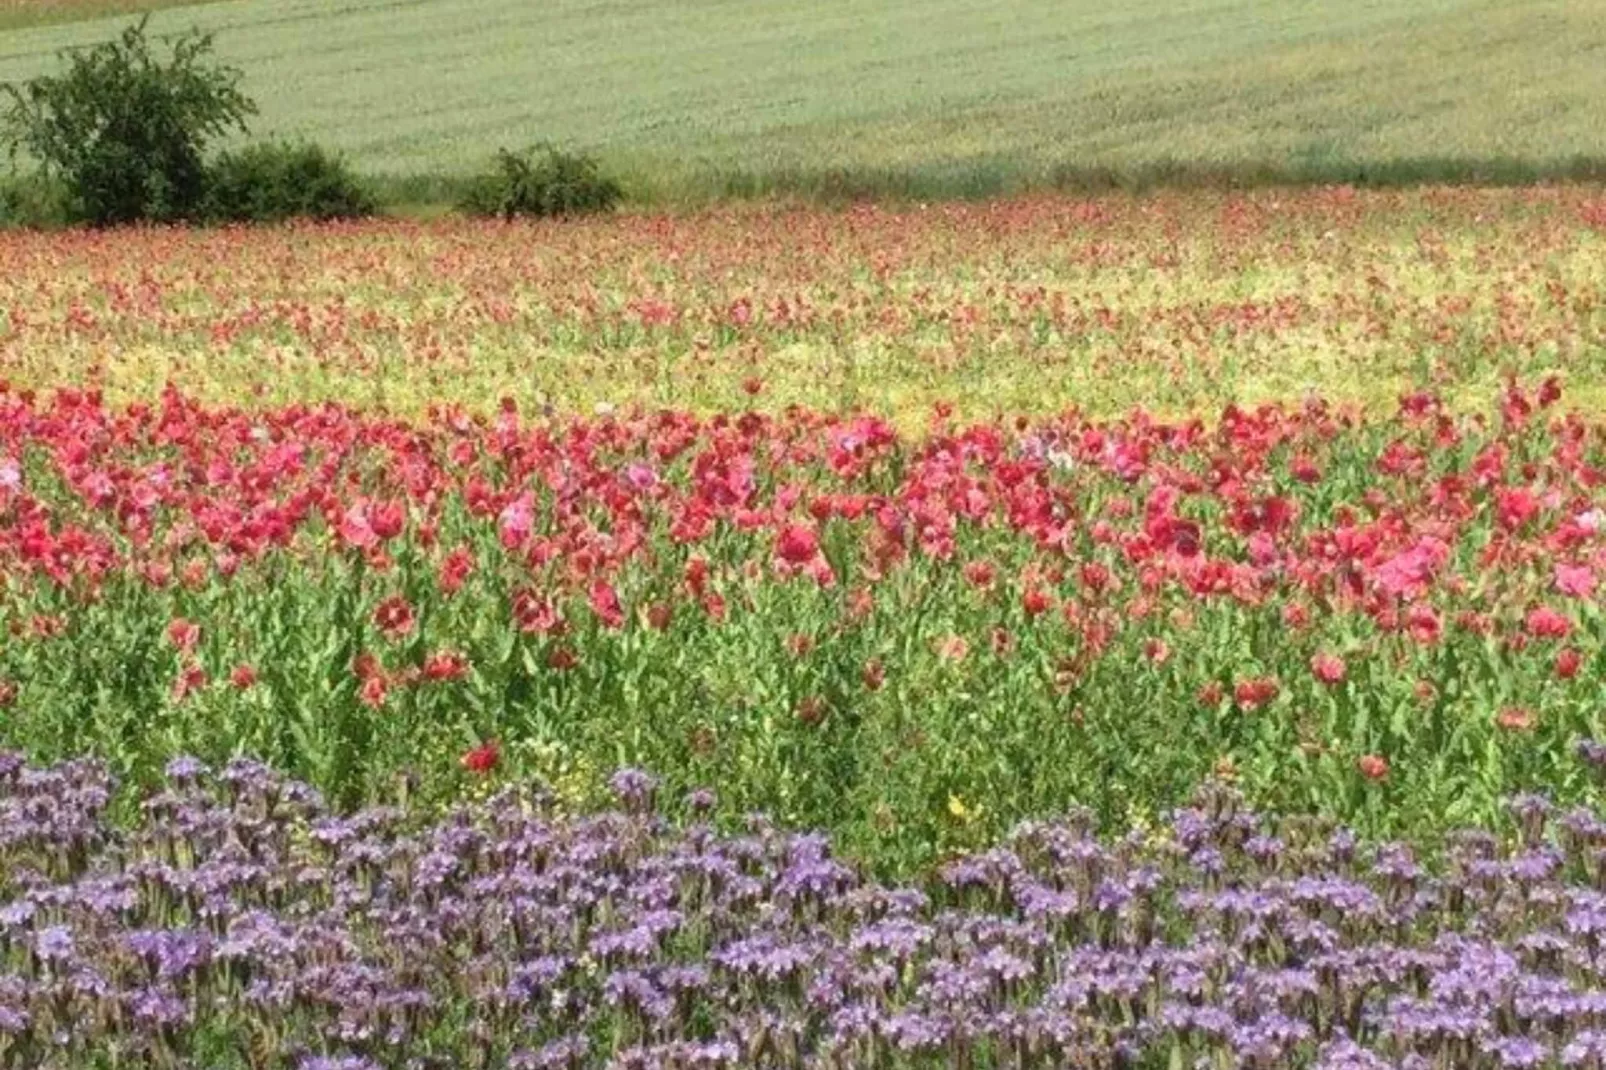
<point x="239" y="923"/>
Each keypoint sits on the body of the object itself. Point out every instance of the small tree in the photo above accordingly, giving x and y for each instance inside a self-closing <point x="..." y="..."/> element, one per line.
<point x="125" y="131"/>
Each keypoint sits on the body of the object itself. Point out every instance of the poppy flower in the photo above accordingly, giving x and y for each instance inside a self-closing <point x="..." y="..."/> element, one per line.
<point x="482" y="759"/>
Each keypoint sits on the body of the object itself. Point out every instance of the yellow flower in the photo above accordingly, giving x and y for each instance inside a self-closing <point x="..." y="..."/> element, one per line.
<point x="956" y="807"/>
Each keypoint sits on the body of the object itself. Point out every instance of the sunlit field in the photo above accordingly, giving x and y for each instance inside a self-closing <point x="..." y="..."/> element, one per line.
<point x="1179" y="305"/>
<point x="691" y="102"/>
<point x="968" y="635"/>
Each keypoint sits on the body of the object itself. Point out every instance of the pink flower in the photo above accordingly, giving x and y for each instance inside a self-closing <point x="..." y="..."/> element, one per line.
<point x="1575" y="581"/>
<point x="1328" y="668"/>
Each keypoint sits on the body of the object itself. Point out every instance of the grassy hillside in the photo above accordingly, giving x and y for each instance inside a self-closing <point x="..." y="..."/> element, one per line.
<point x="938" y="96"/>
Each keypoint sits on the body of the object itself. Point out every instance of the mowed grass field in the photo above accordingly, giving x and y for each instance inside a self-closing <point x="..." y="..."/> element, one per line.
<point x="921" y="97"/>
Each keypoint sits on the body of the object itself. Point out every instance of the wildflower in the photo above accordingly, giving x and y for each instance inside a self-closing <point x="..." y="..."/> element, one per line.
<point x="445" y="665"/>
<point x="1253" y="694"/>
<point x="483" y="758"/>
<point x="1575" y="581"/>
<point x="1515" y="719"/>
<point x="394" y="617"/>
<point x="797" y="545"/>
<point x="190" y="679"/>
<point x="183" y="634"/>
<point x="373" y="692"/>
<point x="605" y="604"/>
<point x="1372" y="766"/>
<point x="1568" y="662"/>
<point x="1545" y="623"/>
<point x="811" y="710"/>
<point x="243" y="676"/>
<point x="1328" y="668"/>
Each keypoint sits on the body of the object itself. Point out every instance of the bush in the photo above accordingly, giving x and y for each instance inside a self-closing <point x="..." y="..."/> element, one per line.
<point x="544" y="181"/>
<point x="275" y="181"/>
<point x="124" y="130"/>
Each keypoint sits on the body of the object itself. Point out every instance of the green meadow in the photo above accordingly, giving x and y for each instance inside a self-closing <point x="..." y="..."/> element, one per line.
<point x="913" y="97"/>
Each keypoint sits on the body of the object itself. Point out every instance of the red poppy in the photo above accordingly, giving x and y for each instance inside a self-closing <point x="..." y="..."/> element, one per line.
<point x="1515" y="719"/>
<point x="482" y="759"/>
<point x="183" y="634"/>
<point x="1328" y="668"/>
<point x="243" y="676"/>
<point x="1255" y="693"/>
<point x="1545" y="623"/>
<point x="1372" y="766"/>
<point x="445" y="665"/>
<point x="796" y="544"/>
<point x="394" y="617"/>
<point x="373" y="692"/>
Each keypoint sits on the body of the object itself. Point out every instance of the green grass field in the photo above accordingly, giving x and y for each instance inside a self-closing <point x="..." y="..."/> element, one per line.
<point x="919" y="97"/>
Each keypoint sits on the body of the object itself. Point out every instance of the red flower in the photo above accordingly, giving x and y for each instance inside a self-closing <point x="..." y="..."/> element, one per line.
<point x="483" y="758"/>
<point x="445" y="665"/>
<point x="183" y="634"/>
<point x="394" y="617"/>
<point x="534" y="614"/>
<point x="387" y="519"/>
<point x="874" y="674"/>
<point x="8" y="693"/>
<point x="659" y="615"/>
<point x="1035" y="602"/>
<point x="1156" y="650"/>
<point x="1545" y="623"/>
<point x="1211" y="694"/>
<point x="373" y="692"/>
<point x="952" y="648"/>
<point x="1328" y="668"/>
<point x="455" y="569"/>
<point x="1255" y="693"/>
<point x="243" y="676"/>
<point x="605" y="604"/>
<point x="562" y="659"/>
<point x="190" y="679"/>
<point x="1424" y="624"/>
<point x="1515" y="719"/>
<point x="1568" y="662"/>
<point x="797" y="545"/>
<point x="1373" y="766"/>
<point x="811" y="710"/>
<point x="366" y="666"/>
<point x="979" y="573"/>
<point x="799" y="645"/>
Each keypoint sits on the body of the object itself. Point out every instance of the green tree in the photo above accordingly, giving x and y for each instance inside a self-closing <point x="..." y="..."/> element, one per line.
<point x="124" y="129"/>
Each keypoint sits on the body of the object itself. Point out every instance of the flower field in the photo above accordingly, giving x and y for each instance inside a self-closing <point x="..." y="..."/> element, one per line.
<point x="1178" y="303"/>
<point x="898" y="527"/>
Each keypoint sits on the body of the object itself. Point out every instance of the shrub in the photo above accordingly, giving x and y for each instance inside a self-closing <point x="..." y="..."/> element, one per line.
<point x="274" y="181"/>
<point x="32" y="201"/>
<point x="124" y="130"/>
<point x="544" y="181"/>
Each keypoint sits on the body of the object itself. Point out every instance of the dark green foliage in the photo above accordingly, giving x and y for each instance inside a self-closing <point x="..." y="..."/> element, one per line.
<point x="544" y="181"/>
<point x="31" y="201"/>
<point x="124" y="130"/>
<point x="275" y="181"/>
